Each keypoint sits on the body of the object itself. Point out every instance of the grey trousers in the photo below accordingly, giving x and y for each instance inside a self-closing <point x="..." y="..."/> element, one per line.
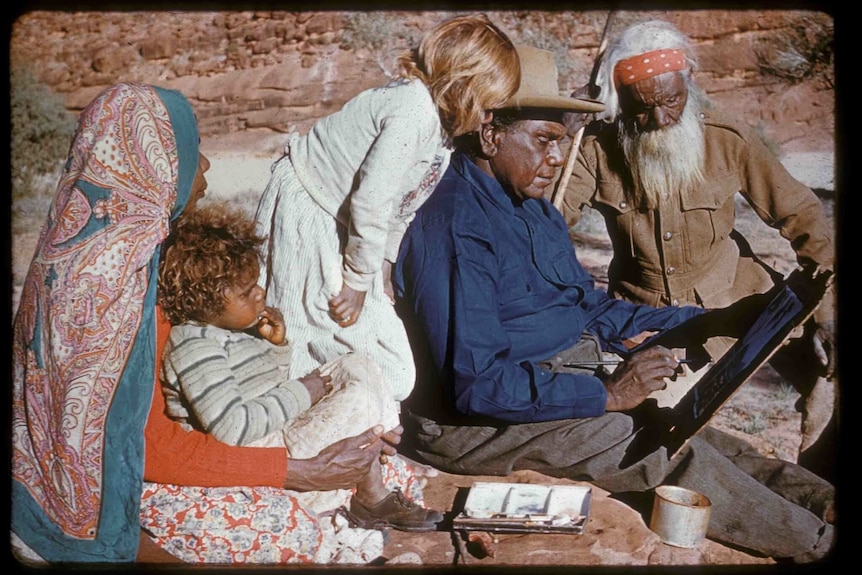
<point x="763" y="505"/>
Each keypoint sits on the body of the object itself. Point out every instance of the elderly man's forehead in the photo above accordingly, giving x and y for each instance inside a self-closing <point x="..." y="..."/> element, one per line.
<point x="659" y="86"/>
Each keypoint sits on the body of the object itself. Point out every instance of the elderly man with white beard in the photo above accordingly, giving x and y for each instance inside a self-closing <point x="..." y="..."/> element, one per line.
<point x="663" y="168"/>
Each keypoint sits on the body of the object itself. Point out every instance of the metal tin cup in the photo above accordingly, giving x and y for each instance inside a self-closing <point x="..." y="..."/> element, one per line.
<point x="680" y="516"/>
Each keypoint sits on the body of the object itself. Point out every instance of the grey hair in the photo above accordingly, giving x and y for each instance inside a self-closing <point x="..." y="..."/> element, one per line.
<point x="637" y="39"/>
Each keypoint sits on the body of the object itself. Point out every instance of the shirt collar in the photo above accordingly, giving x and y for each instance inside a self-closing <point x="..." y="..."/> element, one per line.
<point x="488" y="187"/>
<point x="484" y="184"/>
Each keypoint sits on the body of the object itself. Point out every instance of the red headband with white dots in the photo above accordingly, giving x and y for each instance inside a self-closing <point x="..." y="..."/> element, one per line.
<point x="647" y="65"/>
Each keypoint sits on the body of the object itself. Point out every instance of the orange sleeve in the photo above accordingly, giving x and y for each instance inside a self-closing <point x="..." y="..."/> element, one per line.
<point x="174" y="455"/>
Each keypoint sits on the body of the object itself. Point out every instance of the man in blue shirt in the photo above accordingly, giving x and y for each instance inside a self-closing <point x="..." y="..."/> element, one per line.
<point x="491" y="290"/>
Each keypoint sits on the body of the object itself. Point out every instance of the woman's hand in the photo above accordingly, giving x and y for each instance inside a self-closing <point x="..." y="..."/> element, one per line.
<point x="270" y="326"/>
<point x="346" y="306"/>
<point x="343" y="464"/>
<point x="317" y="385"/>
<point x="640" y="375"/>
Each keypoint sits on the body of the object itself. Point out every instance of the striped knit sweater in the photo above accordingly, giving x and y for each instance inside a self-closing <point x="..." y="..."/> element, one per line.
<point x="229" y="384"/>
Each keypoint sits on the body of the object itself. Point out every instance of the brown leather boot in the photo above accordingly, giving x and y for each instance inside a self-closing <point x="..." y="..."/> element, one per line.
<point x="396" y="511"/>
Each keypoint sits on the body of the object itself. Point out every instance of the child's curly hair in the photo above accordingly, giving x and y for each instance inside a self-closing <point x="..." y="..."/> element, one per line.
<point x="209" y="250"/>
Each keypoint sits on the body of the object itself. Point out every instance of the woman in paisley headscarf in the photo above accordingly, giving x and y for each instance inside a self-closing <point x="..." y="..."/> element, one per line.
<point x="84" y="354"/>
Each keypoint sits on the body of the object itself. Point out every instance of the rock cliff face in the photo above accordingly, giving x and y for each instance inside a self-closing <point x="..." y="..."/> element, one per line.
<point x="278" y="71"/>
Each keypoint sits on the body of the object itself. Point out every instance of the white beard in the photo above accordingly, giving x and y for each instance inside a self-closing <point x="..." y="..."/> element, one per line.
<point x="666" y="160"/>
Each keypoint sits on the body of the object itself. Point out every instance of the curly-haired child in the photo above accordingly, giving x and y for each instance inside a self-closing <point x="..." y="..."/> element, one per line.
<point x="225" y="365"/>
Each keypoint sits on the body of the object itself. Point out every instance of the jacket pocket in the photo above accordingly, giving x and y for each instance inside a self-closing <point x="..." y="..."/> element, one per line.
<point x="560" y="269"/>
<point x="620" y="215"/>
<point x="708" y="215"/>
<point x="515" y="287"/>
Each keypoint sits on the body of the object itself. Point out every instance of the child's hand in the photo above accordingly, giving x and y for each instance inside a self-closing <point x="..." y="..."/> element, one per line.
<point x="317" y="385"/>
<point x="270" y="325"/>
<point x="346" y="306"/>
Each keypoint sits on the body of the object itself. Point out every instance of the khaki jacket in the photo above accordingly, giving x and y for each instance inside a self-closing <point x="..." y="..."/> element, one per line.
<point x="686" y="252"/>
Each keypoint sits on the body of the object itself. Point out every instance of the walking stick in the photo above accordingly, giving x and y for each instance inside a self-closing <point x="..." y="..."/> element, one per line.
<point x="563" y="182"/>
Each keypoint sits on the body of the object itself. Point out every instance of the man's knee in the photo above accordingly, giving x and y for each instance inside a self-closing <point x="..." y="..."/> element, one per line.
<point x="572" y="446"/>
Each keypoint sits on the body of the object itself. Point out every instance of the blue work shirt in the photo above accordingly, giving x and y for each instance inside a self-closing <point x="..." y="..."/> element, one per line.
<point x="494" y="285"/>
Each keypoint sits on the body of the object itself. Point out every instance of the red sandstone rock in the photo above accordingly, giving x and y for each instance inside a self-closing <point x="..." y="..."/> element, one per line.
<point x="176" y="49"/>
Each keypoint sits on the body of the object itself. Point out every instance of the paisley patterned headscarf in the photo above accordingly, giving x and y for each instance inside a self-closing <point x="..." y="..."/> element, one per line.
<point x="84" y="334"/>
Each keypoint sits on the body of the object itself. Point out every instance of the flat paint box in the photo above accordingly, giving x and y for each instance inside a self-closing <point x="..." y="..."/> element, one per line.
<point x="525" y="508"/>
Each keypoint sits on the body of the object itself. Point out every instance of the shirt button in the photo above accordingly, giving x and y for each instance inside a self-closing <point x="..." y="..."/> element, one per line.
<point x="623" y="205"/>
<point x="667" y="236"/>
<point x="670" y="270"/>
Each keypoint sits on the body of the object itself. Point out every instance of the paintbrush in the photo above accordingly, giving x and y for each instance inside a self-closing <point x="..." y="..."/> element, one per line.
<point x="610" y="362"/>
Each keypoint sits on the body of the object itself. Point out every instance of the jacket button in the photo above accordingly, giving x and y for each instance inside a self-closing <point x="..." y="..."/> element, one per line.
<point x="675" y="303"/>
<point x="623" y="205"/>
<point x="670" y="270"/>
<point x="667" y="236"/>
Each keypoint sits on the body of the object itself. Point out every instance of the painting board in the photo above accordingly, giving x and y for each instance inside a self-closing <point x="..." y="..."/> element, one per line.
<point x="786" y="308"/>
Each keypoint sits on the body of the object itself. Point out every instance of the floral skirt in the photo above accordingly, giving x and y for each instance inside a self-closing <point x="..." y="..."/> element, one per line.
<point x="261" y="525"/>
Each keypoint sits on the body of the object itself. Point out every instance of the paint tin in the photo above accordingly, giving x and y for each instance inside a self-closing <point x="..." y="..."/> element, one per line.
<point x="680" y="516"/>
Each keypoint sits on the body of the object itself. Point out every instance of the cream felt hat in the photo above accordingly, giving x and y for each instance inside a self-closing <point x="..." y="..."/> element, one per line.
<point x="539" y="85"/>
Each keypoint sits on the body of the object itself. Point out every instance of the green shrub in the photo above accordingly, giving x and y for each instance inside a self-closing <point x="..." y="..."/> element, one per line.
<point x="558" y="33"/>
<point x="371" y="30"/>
<point x="805" y="51"/>
<point x="382" y="33"/>
<point x="41" y="133"/>
<point x="755" y="423"/>
<point x="786" y="393"/>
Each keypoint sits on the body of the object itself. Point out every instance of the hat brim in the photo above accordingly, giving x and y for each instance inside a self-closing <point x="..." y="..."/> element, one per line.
<point x="553" y="103"/>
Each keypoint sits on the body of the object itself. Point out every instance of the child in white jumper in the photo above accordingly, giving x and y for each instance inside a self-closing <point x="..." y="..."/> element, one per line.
<point x="339" y="201"/>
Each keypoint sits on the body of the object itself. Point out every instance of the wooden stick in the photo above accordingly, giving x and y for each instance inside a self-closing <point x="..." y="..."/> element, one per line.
<point x="563" y="182"/>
